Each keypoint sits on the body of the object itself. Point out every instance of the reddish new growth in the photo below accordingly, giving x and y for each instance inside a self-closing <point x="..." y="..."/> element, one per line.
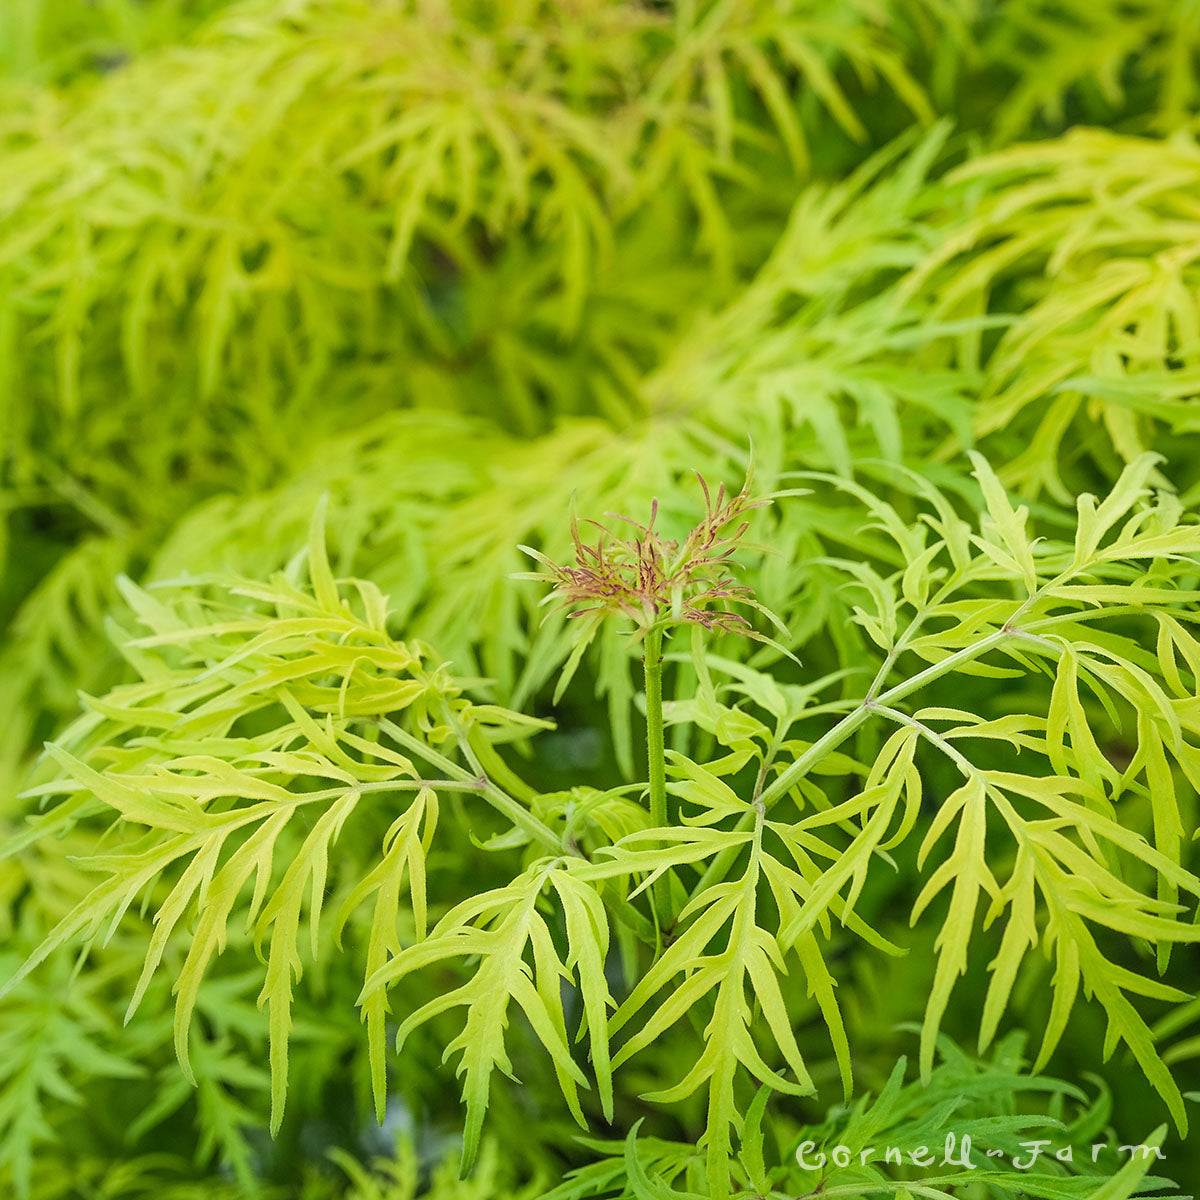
<point x="650" y="577"/>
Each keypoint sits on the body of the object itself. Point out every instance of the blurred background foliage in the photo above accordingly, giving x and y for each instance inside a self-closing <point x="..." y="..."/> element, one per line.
<point x="460" y="264"/>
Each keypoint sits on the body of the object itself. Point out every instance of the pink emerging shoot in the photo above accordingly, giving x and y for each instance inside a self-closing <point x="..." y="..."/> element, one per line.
<point x="653" y="579"/>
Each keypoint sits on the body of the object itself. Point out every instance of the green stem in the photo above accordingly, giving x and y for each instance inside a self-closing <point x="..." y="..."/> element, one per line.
<point x="718" y="868"/>
<point x="656" y="762"/>
<point x="655" y="746"/>
<point x="496" y="797"/>
<point x="497" y="769"/>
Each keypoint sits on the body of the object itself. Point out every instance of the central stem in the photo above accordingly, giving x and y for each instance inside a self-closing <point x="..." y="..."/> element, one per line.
<point x="660" y="894"/>
<point x="655" y="749"/>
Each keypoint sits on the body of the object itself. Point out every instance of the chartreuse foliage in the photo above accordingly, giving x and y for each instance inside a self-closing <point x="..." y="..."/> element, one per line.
<point x="271" y="720"/>
<point x="1104" y="352"/>
<point x="630" y="878"/>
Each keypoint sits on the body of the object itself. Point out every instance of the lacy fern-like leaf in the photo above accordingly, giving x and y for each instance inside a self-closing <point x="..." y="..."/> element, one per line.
<point x="202" y="805"/>
<point x="502" y="928"/>
<point x="1061" y="821"/>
